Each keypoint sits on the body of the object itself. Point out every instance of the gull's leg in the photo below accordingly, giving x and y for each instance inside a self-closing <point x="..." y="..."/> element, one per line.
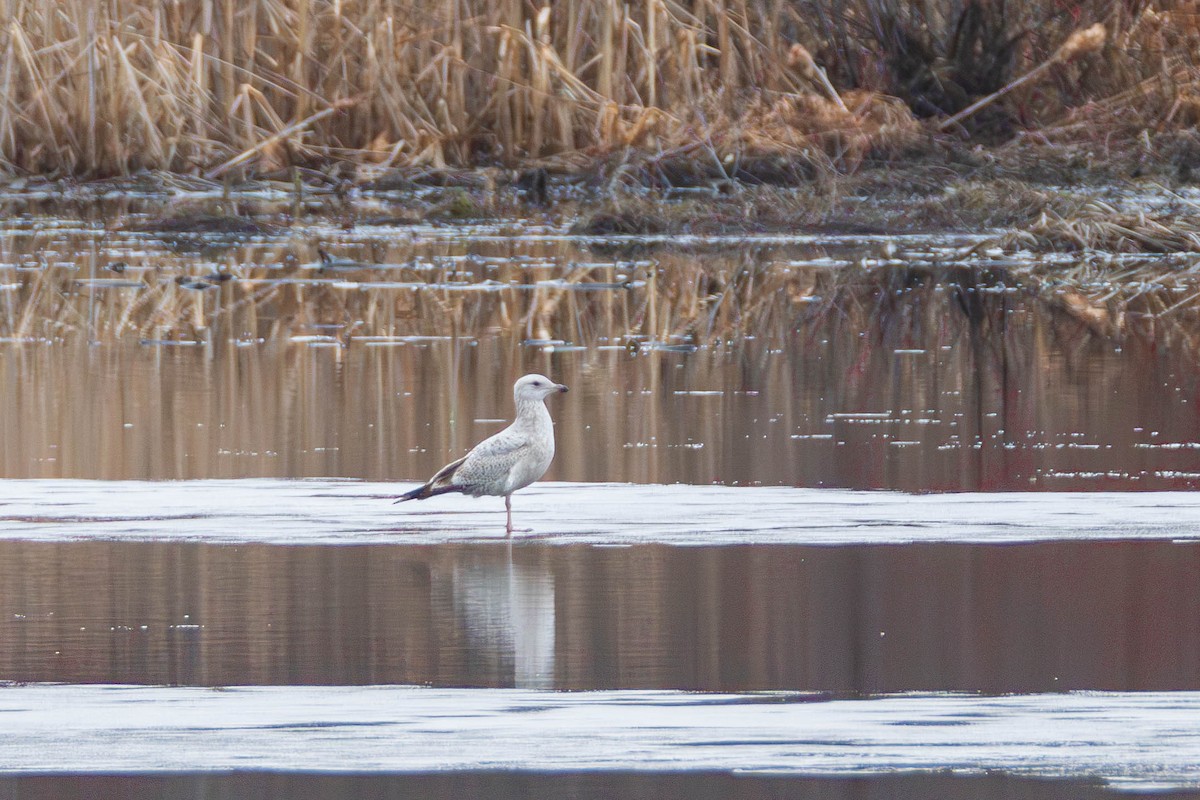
<point x="508" y="511"/>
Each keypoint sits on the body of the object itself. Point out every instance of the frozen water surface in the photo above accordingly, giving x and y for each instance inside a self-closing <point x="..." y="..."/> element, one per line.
<point x="350" y="512"/>
<point x="1135" y="740"/>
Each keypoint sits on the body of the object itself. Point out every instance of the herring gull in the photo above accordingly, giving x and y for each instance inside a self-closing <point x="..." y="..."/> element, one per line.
<point x="507" y="461"/>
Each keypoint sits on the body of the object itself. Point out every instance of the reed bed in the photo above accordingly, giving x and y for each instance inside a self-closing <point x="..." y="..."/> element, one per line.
<point x="722" y="88"/>
<point x="218" y="85"/>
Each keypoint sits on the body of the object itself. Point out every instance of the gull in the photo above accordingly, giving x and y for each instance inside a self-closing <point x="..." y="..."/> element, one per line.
<point x="507" y="461"/>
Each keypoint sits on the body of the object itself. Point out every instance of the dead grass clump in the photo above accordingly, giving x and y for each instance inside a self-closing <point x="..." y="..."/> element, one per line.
<point x="1102" y="80"/>
<point x="777" y="139"/>
<point x="1130" y="103"/>
<point x="971" y="205"/>
<point x="1100" y="227"/>
<point x="620" y="222"/>
<point x="218" y="224"/>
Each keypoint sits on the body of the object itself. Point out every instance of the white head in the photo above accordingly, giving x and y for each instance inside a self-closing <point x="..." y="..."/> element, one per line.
<point x="536" y="388"/>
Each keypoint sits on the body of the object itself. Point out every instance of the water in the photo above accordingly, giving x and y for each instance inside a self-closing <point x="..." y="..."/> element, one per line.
<point x="841" y="642"/>
<point x="849" y="620"/>
<point x="887" y="650"/>
<point x="1104" y="417"/>
<point x="705" y="785"/>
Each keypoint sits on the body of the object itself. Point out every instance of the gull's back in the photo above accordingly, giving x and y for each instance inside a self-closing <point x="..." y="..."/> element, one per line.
<point x="513" y="458"/>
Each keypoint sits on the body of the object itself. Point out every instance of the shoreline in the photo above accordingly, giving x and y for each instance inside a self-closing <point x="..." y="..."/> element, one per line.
<point x="959" y="191"/>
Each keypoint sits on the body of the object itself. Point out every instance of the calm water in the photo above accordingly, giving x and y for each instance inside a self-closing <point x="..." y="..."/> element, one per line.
<point x="900" y="386"/>
<point x="812" y="414"/>
<point x="845" y="620"/>
<point x="588" y="785"/>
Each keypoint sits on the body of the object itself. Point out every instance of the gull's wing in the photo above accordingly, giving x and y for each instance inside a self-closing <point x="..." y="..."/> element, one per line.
<point x="445" y="472"/>
<point x="484" y="470"/>
<point x="487" y="466"/>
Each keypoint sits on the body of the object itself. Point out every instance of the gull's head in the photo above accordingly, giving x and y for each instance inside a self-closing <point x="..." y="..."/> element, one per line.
<point x="535" y="387"/>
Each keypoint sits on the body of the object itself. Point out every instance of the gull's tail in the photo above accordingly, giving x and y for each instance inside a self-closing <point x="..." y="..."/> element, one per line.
<point x="438" y="484"/>
<point x="428" y="490"/>
<point x="415" y="494"/>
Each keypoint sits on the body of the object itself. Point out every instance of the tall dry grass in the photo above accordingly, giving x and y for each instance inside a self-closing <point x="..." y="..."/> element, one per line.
<point x="128" y="84"/>
<point x="213" y="86"/>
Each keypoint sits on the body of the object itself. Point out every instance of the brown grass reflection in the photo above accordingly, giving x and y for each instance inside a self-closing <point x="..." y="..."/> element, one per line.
<point x="1042" y="617"/>
<point x="939" y="403"/>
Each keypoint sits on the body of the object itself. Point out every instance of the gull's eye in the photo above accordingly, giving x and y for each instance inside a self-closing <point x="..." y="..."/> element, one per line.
<point x="537" y="383"/>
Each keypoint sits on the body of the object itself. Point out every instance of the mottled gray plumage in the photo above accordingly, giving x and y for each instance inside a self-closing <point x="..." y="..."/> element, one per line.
<point x="511" y="459"/>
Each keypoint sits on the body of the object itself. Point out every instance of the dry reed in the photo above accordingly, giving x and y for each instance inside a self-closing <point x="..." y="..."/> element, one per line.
<point x="1100" y="227"/>
<point x="220" y="88"/>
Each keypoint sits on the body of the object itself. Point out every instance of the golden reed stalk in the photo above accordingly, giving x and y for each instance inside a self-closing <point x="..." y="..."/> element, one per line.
<point x="113" y="87"/>
<point x="204" y="86"/>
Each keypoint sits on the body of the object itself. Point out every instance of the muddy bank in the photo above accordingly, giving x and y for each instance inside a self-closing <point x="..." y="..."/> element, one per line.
<point x="942" y="186"/>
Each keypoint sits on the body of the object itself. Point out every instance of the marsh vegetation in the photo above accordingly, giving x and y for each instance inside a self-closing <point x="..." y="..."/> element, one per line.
<point x="658" y="92"/>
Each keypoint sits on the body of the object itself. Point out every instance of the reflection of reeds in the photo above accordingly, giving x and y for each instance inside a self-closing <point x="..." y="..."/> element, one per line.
<point x="895" y="306"/>
<point x="621" y="291"/>
<point x="671" y="299"/>
<point x="675" y="299"/>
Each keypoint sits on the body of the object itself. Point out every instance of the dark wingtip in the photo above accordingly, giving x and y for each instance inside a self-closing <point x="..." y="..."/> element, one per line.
<point x="415" y="494"/>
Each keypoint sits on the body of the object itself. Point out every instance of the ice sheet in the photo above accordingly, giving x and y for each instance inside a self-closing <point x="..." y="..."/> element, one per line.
<point x="330" y="511"/>
<point x="1132" y="740"/>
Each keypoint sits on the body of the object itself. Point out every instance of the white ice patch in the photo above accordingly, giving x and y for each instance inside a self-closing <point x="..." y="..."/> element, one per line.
<point x="329" y="511"/>
<point x="1132" y="740"/>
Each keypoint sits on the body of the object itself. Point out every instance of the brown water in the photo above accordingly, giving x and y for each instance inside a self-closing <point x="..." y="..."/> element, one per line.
<point x="766" y="360"/>
<point x="588" y="785"/>
<point x="922" y="372"/>
<point x="846" y="620"/>
<point x="811" y="414"/>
